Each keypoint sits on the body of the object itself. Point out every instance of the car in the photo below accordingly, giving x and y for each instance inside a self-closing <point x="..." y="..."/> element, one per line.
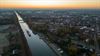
<point x="61" y="52"/>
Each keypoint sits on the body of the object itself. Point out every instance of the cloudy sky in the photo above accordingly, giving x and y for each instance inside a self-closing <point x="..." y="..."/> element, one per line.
<point x="50" y="4"/>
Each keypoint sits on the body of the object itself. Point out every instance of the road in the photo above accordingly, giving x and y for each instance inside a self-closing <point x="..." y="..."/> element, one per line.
<point x="36" y="45"/>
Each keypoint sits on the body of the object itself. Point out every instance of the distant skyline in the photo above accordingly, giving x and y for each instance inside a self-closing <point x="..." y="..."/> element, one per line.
<point x="56" y="4"/>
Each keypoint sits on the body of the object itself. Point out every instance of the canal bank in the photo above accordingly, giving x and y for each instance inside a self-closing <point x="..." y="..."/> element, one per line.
<point x="24" y="45"/>
<point x="51" y="45"/>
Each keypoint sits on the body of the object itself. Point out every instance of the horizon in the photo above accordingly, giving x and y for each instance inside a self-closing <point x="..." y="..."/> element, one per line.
<point x="51" y="4"/>
<point x="93" y="9"/>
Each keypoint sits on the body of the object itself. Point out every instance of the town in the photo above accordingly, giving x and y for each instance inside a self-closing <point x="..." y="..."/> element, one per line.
<point x="29" y="32"/>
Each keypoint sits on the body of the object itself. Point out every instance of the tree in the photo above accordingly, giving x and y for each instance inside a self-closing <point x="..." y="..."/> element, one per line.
<point x="63" y="31"/>
<point x="72" y="50"/>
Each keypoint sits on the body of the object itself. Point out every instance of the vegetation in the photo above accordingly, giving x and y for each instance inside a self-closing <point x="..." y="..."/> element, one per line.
<point x="63" y="37"/>
<point x="72" y="50"/>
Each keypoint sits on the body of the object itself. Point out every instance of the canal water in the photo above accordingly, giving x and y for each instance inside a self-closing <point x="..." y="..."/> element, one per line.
<point x="37" y="46"/>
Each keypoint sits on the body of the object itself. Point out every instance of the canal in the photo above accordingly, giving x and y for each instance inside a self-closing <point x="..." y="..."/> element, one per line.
<point x="36" y="45"/>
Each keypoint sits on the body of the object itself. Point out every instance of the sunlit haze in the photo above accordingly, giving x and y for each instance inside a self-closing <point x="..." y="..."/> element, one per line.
<point x="49" y="3"/>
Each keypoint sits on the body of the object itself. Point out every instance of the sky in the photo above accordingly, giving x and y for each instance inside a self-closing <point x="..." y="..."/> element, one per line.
<point x="70" y="4"/>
